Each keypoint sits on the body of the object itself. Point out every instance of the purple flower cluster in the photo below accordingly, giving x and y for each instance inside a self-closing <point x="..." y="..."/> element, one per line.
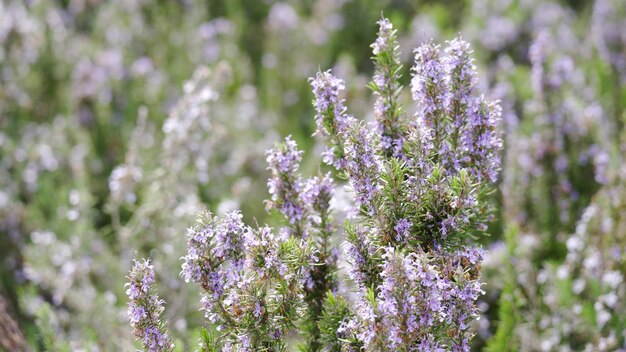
<point x="251" y="282"/>
<point x="385" y="42"/>
<point x="429" y="90"/>
<point x="215" y="259"/>
<point x="363" y="167"/>
<point x="285" y="186"/>
<point x="305" y="204"/>
<point x="331" y="118"/>
<point x="402" y="229"/>
<point x="262" y="253"/>
<point x="306" y="207"/>
<point x="423" y="300"/>
<point x="460" y="124"/>
<point x="212" y="245"/>
<point x="145" y="308"/>
<point x="417" y="189"/>
<point x="386" y="89"/>
<point x="317" y="193"/>
<point x="417" y="285"/>
<point x="361" y="254"/>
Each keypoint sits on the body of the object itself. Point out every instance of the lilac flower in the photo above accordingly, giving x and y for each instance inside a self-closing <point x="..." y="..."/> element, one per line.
<point x="317" y="194"/>
<point x="262" y="252"/>
<point x="145" y="308"/>
<point x="286" y="158"/>
<point x="365" y="323"/>
<point x="385" y="40"/>
<point x="461" y="76"/>
<point x="481" y="141"/>
<point x="246" y="275"/>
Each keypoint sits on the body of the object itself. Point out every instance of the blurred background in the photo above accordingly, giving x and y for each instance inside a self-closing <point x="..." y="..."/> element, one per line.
<point x="120" y="119"/>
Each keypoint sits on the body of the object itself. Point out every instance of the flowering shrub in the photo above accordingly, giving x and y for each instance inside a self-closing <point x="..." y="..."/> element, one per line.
<point x="419" y="187"/>
<point x="119" y="120"/>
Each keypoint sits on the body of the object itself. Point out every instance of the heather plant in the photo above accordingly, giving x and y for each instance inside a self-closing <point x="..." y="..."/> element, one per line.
<point x="419" y="189"/>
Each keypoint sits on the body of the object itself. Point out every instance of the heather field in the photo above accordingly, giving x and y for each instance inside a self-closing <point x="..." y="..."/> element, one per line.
<point x="330" y="175"/>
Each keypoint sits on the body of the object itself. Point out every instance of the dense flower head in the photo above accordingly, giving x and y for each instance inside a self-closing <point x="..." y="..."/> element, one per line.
<point x="461" y="101"/>
<point x="460" y="125"/>
<point x="422" y="298"/>
<point x="384" y="41"/>
<point x="285" y="158"/>
<point x="363" y="166"/>
<point x="285" y="185"/>
<point x="331" y="118"/>
<point x="326" y="88"/>
<point x="145" y="308"/>
<point x="212" y="246"/>
<point x="245" y="289"/>
<point x="481" y="141"/>
<point x="262" y="254"/>
<point x="461" y="73"/>
<point x="402" y="229"/>
<point x="318" y="192"/>
<point x="385" y="86"/>
<point x="430" y="92"/>
<point x="361" y="254"/>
